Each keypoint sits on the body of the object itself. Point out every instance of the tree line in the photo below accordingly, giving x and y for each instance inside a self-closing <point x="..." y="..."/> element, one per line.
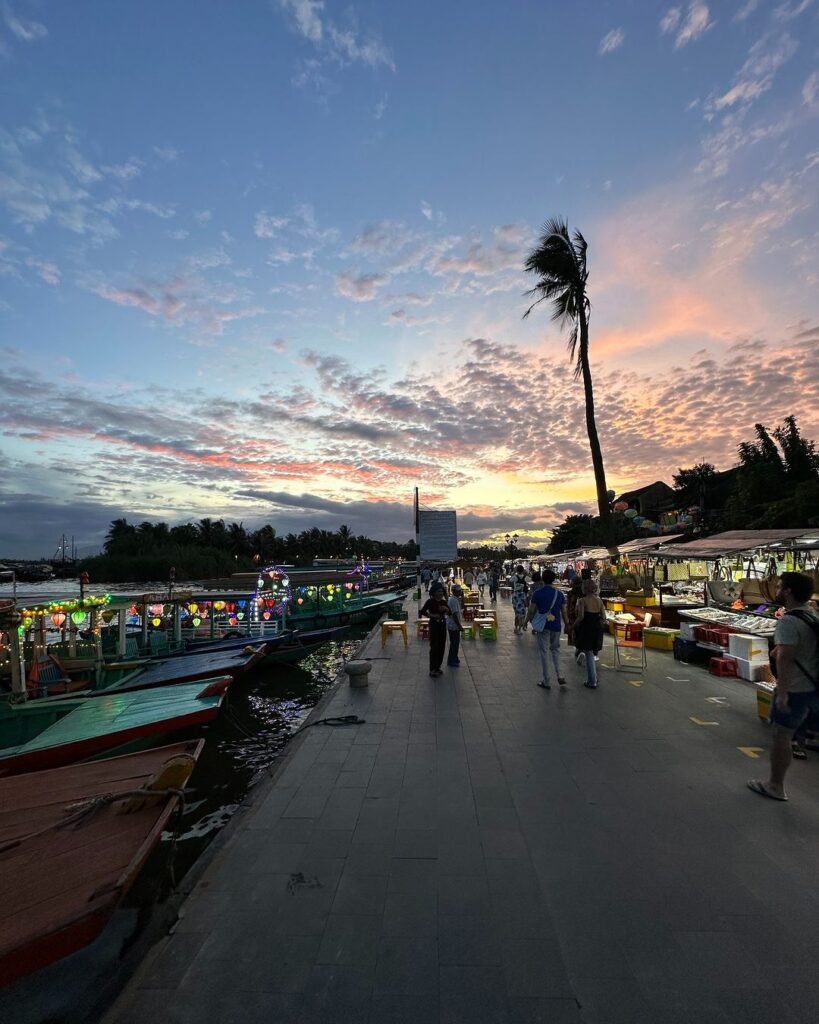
<point x="145" y="551"/>
<point x="773" y="485"/>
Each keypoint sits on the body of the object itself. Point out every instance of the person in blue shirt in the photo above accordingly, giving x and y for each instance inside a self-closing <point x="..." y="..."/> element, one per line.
<point x="547" y="614"/>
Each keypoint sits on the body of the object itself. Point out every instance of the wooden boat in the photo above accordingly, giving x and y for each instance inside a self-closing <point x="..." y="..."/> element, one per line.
<point x="120" y="677"/>
<point x="290" y="646"/>
<point x="71" y="845"/>
<point x="52" y="732"/>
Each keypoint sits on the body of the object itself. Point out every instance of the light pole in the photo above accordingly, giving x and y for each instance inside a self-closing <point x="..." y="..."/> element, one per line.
<point x="512" y="544"/>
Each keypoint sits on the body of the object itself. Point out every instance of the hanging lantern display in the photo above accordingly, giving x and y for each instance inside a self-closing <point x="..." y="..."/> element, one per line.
<point x="193" y="608"/>
<point x="156" y="621"/>
<point x="266" y="616"/>
<point x="58" y="619"/>
<point x="347" y="597"/>
<point x="232" y="620"/>
<point x="157" y="609"/>
<point x="108" y="616"/>
<point x="27" y="621"/>
<point x="218" y="606"/>
<point x="240" y="615"/>
<point x="197" y="621"/>
<point x="630" y="513"/>
<point x="78" y="616"/>
<point x="621" y="506"/>
<point x="299" y="600"/>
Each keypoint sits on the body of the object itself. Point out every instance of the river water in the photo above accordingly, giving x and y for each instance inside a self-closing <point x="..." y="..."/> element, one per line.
<point x="264" y="708"/>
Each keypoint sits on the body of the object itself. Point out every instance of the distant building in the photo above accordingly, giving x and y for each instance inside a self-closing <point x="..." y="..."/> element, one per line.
<point x="652" y="500"/>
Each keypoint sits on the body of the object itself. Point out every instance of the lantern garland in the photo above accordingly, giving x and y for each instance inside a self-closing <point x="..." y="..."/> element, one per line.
<point x="275" y="583"/>
<point x="67" y="607"/>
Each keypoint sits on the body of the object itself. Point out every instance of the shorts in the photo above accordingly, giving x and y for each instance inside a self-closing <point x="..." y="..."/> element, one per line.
<point x="800" y="705"/>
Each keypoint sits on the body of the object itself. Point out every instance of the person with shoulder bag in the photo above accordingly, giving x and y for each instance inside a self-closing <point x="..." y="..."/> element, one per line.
<point x="547" y="613"/>
<point x="796" y="664"/>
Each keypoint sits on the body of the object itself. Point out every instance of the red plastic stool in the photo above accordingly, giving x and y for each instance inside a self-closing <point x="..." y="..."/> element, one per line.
<point x="722" y="667"/>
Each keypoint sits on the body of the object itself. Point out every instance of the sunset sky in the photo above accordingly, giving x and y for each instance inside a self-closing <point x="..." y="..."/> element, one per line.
<point x="262" y="260"/>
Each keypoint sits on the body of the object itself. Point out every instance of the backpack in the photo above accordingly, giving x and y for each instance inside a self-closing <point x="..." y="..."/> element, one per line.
<point x="813" y="622"/>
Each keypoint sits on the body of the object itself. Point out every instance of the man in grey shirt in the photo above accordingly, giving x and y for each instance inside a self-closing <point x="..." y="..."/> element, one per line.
<point x="797" y="677"/>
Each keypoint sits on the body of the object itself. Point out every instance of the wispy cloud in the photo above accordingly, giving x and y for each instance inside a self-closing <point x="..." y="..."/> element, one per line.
<point x="381" y="107"/>
<point x="340" y="45"/>
<point x="810" y="90"/>
<point x="359" y="287"/>
<point x="168" y="153"/>
<point x="746" y="10"/>
<point x="611" y="41"/>
<point x="686" y="26"/>
<point x="27" y="31"/>
<point x="756" y="76"/>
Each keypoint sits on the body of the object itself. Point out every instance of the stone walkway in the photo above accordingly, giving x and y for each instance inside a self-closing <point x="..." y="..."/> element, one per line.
<point x="486" y="851"/>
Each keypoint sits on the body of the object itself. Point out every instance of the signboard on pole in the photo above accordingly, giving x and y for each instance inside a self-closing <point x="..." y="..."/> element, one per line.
<point x="438" y="536"/>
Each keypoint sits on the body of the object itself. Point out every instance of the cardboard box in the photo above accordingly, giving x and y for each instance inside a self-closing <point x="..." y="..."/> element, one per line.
<point x="764" y="700"/>
<point x="748" y="648"/>
<point x="641" y="601"/>
<point x="755" y="671"/>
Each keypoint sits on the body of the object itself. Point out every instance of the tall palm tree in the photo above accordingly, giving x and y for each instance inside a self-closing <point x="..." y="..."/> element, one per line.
<point x="559" y="261"/>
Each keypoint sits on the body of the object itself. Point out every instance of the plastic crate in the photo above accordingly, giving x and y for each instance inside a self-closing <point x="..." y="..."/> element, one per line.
<point x="690" y="652"/>
<point x="660" y="639"/>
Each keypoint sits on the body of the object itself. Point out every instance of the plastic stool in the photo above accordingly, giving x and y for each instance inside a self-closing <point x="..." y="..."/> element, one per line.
<point x="722" y="667"/>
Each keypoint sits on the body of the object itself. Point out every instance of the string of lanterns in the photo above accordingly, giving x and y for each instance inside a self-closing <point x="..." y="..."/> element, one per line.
<point x="683" y="519"/>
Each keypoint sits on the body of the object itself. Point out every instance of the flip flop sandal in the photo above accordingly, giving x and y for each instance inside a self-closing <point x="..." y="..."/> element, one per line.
<point x="757" y="786"/>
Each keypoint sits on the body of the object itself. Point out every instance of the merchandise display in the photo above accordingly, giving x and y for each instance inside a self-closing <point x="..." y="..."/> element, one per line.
<point x="758" y="625"/>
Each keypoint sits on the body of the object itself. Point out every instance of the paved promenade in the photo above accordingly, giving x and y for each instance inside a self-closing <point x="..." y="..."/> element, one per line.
<point x="486" y="852"/>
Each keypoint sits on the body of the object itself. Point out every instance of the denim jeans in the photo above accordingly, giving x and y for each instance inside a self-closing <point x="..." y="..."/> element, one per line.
<point x="548" y="645"/>
<point x="454" y="645"/>
<point x="591" y="668"/>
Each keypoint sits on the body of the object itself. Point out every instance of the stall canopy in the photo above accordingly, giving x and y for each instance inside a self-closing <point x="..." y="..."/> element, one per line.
<point x="645" y="545"/>
<point x="733" y="542"/>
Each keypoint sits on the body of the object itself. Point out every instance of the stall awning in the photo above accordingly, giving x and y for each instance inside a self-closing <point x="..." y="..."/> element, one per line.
<point x="732" y="543"/>
<point x="644" y="545"/>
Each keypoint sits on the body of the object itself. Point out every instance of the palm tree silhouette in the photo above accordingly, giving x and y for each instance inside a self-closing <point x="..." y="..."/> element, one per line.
<point x="559" y="260"/>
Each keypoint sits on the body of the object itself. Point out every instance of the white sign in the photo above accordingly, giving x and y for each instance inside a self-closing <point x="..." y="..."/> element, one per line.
<point x="438" y="535"/>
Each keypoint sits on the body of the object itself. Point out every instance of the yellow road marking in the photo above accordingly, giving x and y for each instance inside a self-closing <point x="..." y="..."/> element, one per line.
<point x="698" y="721"/>
<point x="751" y="751"/>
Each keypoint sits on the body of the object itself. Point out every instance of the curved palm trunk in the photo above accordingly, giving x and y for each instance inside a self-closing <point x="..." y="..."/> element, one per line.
<point x="594" y="440"/>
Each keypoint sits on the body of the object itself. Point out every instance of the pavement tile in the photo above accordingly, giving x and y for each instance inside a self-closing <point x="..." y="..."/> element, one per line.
<point x="468" y="940"/>
<point x="350" y="940"/>
<point x="415" y="842"/>
<point x="410" y="914"/>
<point x="392" y="1009"/>
<point x="360" y="894"/>
<point x="337" y="995"/>
<point x="407" y="965"/>
<point x="473" y="995"/>
<point x="413" y="875"/>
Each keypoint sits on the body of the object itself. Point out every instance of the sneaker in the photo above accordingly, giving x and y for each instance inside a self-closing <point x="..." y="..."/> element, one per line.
<point x="597" y="657"/>
<point x="453" y="664"/>
<point x="580" y="657"/>
<point x="436" y="672"/>
<point x="544" y="686"/>
<point x="561" y="682"/>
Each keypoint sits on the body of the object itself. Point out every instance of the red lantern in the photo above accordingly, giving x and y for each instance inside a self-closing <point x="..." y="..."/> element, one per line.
<point x="266" y="615"/>
<point x="230" y="607"/>
<point x="58" y="619"/>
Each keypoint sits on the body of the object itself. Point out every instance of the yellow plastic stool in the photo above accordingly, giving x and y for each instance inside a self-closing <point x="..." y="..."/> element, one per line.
<point x="394" y="626"/>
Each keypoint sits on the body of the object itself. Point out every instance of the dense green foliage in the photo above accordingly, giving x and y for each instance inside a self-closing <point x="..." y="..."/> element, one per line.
<point x="775" y="485"/>
<point x="211" y="547"/>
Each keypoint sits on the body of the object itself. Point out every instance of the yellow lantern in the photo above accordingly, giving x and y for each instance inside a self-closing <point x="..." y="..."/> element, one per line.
<point x="156" y="621"/>
<point x="219" y="606"/>
<point x="193" y="608"/>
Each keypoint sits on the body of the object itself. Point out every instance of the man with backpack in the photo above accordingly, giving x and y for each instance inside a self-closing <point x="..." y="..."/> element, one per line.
<point x="547" y="613"/>
<point x="796" y="662"/>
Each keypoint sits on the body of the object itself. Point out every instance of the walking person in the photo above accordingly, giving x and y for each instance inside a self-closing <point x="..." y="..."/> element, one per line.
<point x="520" y="599"/>
<point x="574" y="595"/>
<point x="426" y="576"/>
<point x="481" y="579"/>
<point x="435" y="608"/>
<point x="494" y="582"/>
<point x="547" y="613"/>
<point x="589" y="623"/>
<point x="454" y="625"/>
<point x="796" y="664"/>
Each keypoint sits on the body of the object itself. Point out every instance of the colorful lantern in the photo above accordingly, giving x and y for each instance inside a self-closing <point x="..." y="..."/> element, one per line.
<point x="58" y="619"/>
<point x="219" y="606"/>
<point x="197" y="621"/>
<point x="78" y="617"/>
<point x="630" y="513"/>
<point x="156" y="621"/>
<point x="621" y="506"/>
<point x="193" y="608"/>
<point x="108" y="616"/>
<point x="240" y="615"/>
<point x="232" y="620"/>
<point x="299" y="600"/>
<point x="266" y="615"/>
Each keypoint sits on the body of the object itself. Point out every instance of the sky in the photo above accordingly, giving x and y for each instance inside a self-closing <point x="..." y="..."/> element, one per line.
<point x="263" y="261"/>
